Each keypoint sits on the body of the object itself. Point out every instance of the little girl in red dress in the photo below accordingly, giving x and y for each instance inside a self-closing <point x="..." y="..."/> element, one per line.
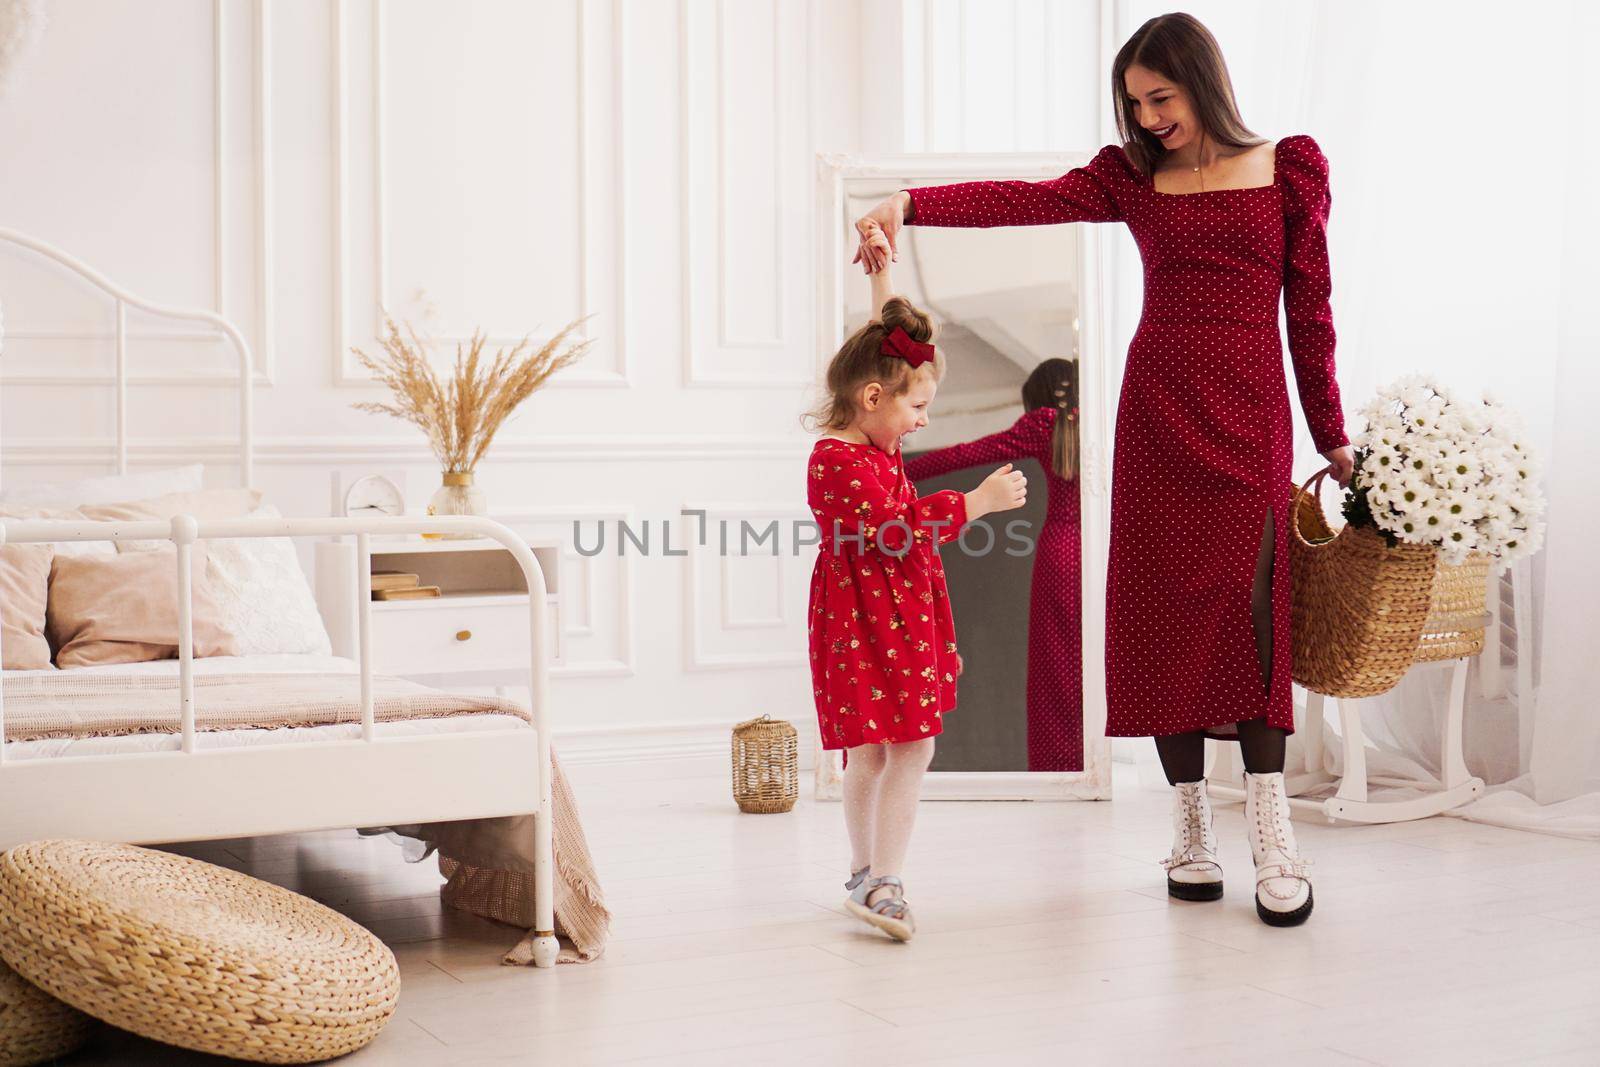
<point x="883" y="651"/>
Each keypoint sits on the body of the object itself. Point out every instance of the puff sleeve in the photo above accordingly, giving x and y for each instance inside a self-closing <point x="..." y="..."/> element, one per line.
<point x="1307" y="285"/>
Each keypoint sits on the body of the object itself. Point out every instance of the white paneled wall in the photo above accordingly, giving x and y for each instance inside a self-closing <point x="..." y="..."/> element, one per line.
<point x="308" y="166"/>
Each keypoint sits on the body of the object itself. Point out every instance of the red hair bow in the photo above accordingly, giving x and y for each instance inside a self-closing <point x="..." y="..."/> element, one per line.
<point x="899" y="343"/>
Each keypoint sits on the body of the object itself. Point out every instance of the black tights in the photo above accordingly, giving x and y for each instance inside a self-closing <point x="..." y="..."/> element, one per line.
<point x="1183" y="756"/>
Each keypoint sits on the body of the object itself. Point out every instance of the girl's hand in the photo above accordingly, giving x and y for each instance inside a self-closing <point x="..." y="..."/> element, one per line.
<point x="1004" y="490"/>
<point x="888" y="216"/>
<point x="960" y="665"/>
<point x="1343" y="462"/>
<point x="873" y="239"/>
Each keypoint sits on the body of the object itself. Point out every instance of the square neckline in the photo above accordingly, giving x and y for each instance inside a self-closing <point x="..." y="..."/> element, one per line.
<point x="1273" y="184"/>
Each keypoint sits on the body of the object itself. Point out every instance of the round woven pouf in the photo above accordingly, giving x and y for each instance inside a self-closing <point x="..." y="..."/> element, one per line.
<point x="34" y="1026"/>
<point x="188" y="953"/>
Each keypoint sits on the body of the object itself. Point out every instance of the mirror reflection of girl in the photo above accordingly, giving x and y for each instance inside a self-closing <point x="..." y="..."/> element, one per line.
<point x="1197" y="587"/>
<point x="882" y="639"/>
<point x="1047" y="432"/>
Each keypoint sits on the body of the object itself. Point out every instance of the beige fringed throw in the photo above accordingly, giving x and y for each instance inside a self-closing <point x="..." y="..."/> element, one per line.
<point x="488" y="869"/>
<point x="487" y="863"/>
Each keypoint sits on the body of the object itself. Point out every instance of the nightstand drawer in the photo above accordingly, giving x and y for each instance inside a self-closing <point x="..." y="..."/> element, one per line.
<point x="427" y="637"/>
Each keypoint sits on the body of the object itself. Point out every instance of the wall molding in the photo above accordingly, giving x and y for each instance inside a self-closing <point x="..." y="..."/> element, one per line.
<point x="304" y="451"/>
<point x="790" y="342"/>
<point x="695" y="614"/>
<point x="592" y="209"/>
<point x="262" y="336"/>
<point x="625" y="664"/>
<point x="653" y="743"/>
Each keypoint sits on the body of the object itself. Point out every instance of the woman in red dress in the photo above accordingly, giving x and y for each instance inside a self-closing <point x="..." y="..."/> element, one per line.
<point x="1197" y="602"/>
<point x="1047" y="432"/>
<point x="883" y="642"/>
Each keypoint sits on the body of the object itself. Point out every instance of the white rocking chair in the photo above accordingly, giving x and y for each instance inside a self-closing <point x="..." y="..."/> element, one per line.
<point x="1350" y="800"/>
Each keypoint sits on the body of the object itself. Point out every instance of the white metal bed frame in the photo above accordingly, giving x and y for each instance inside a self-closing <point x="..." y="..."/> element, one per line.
<point x="203" y="794"/>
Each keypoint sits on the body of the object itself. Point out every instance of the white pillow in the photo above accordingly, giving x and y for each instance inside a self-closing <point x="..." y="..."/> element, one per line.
<point x="108" y="489"/>
<point x="266" y="602"/>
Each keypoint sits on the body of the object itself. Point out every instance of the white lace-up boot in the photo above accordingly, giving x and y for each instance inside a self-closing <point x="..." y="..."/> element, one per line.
<point x="1192" y="870"/>
<point x="1283" y="887"/>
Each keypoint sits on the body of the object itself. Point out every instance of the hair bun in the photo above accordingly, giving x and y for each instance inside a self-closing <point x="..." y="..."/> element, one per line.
<point x="898" y="311"/>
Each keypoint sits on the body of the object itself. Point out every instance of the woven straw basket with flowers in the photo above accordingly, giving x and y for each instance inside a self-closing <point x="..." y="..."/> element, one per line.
<point x="1443" y="491"/>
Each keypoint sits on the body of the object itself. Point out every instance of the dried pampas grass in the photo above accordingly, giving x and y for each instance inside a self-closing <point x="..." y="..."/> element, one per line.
<point x="462" y="415"/>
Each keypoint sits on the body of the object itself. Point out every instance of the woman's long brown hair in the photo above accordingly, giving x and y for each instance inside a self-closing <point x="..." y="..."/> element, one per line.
<point x="1054" y="383"/>
<point x="1179" y="48"/>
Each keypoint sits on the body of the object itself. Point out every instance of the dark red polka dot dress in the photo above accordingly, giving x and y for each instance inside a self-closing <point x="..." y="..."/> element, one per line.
<point x="1055" y="603"/>
<point x="1203" y="431"/>
<point x="883" y="641"/>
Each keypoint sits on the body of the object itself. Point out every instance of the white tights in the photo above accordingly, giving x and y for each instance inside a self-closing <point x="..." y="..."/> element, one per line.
<point x="881" y="786"/>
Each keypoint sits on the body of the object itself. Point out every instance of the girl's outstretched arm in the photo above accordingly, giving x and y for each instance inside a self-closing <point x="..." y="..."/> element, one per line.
<point x="882" y="290"/>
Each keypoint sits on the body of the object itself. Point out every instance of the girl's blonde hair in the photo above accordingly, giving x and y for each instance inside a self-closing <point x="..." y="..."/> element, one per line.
<point x="861" y="360"/>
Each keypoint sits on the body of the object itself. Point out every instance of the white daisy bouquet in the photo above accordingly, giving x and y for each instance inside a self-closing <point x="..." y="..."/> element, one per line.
<point x="1436" y="469"/>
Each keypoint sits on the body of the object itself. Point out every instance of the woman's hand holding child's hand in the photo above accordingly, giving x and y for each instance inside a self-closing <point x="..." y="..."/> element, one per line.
<point x="886" y="218"/>
<point x="1004" y="490"/>
<point x="874" y="239"/>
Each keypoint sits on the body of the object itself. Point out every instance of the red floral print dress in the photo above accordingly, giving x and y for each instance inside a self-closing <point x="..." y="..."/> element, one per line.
<point x="883" y="641"/>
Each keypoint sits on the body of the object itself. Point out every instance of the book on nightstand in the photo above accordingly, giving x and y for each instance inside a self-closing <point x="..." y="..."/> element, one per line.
<point x="416" y="592"/>
<point x="393" y="580"/>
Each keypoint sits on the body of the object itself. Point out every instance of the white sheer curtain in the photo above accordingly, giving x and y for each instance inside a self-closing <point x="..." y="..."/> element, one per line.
<point x="1463" y="239"/>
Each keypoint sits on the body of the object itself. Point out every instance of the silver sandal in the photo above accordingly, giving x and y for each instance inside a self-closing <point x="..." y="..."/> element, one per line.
<point x="892" y="914"/>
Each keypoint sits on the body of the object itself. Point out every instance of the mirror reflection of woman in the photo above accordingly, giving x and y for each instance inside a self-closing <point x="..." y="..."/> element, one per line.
<point x="1197" y="590"/>
<point x="1047" y="432"/>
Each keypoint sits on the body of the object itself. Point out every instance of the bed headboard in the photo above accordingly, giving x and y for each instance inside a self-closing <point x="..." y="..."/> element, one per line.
<point x="123" y="300"/>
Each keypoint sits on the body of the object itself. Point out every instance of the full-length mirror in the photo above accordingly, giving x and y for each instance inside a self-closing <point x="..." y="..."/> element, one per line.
<point x="1019" y="326"/>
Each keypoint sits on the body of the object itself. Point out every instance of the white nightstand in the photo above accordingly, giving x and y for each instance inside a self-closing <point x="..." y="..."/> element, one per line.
<point x="476" y="632"/>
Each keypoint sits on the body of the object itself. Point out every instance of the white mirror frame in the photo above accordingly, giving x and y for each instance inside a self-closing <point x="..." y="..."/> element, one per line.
<point x="1095" y="408"/>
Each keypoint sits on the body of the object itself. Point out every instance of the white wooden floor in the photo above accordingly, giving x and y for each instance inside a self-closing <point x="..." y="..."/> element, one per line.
<point x="1047" y="938"/>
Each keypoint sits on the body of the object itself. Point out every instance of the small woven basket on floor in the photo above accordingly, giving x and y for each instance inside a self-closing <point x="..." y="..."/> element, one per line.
<point x="1359" y="605"/>
<point x="191" y="954"/>
<point x="766" y="766"/>
<point x="34" y="1026"/>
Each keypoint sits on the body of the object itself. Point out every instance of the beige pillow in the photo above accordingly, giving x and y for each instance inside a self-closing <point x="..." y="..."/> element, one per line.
<point x="205" y="504"/>
<point x="24" y="586"/>
<point x="210" y="504"/>
<point x="124" y="609"/>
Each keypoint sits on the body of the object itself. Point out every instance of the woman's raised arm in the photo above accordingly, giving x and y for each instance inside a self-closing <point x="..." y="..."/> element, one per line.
<point x="1090" y="193"/>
